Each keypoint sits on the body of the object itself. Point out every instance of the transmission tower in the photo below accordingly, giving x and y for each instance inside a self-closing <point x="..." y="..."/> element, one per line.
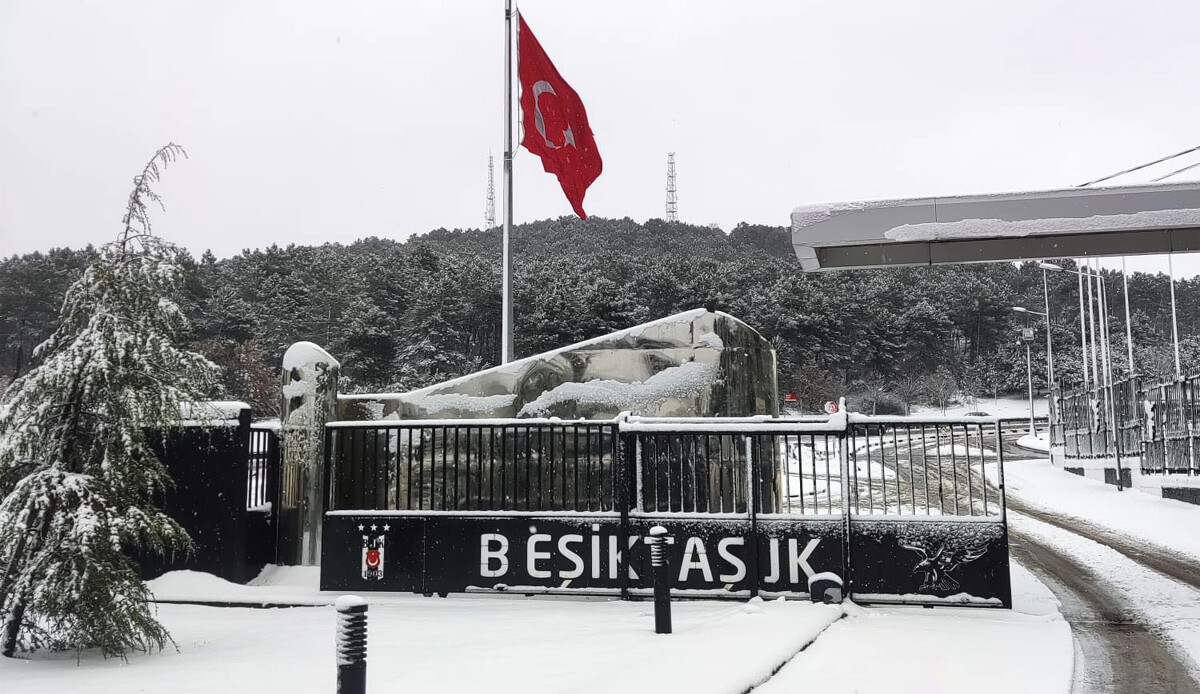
<point x="672" y="211"/>
<point x="489" y="216"/>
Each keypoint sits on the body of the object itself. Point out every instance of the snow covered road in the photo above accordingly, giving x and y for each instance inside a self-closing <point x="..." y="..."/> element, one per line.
<point x="1124" y="566"/>
<point x="1145" y="519"/>
<point x="1117" y="651"/>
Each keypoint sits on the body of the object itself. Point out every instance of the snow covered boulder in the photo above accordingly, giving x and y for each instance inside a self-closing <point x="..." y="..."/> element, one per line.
<point x="696" y="363"/>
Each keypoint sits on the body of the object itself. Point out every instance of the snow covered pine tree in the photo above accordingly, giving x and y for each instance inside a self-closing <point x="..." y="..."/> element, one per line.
<point x="77" y="477"/>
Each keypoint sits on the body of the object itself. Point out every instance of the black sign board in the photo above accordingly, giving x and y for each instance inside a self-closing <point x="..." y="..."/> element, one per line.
<point x="714" y="556"/>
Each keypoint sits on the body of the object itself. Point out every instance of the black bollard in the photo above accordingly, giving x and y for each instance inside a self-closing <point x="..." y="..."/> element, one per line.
<point x="351" y="645"/>
<point x="662" y="578"/>
<point x="825" y="587"/>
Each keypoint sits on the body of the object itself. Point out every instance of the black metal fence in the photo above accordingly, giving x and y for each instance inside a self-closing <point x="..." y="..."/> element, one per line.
<point x="1155" y="422"/>
<point x="894" y="466"/>
<point x="496" y="465"/>
<point x="901" y="467"/>
<point x="262" y="473"/>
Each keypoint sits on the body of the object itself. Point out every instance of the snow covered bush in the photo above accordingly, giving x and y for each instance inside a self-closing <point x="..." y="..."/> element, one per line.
<point x="78" y="480"/>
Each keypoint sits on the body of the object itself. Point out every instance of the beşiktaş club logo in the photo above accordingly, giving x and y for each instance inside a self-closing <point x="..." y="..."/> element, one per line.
<point x="372" y="553"/>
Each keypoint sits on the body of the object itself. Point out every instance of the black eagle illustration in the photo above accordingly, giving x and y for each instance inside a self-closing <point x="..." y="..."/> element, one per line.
<point x="940" y="564"/>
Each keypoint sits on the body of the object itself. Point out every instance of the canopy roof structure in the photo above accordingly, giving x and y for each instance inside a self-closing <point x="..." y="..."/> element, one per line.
<point x="1070" y="223"/>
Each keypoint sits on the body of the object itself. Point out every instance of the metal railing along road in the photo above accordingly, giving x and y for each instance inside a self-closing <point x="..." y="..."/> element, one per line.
<point x="1157" y="422"/>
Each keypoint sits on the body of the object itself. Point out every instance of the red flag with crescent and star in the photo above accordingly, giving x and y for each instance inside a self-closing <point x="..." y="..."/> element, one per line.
<point x="555" y="122"/>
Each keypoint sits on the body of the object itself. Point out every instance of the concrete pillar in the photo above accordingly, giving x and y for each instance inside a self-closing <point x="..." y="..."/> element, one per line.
<point x="310" y="382"/>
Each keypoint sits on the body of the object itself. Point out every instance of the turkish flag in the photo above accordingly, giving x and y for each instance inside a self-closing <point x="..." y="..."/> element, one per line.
<point x="555" y="122"/>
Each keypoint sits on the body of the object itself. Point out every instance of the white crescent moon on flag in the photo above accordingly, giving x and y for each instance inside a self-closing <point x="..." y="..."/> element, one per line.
<point x="541" y="87"/>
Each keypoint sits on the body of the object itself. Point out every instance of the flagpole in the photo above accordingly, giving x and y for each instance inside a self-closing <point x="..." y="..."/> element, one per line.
<point x="506" y="337"/>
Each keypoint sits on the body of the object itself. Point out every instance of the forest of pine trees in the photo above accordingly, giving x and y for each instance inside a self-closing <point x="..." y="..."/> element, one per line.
<point x="400" y="315"/>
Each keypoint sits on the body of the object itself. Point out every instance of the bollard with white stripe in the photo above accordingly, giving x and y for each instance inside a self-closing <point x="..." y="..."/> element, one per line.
<point x="662" y="578"/>
<point x="351" y="644"/>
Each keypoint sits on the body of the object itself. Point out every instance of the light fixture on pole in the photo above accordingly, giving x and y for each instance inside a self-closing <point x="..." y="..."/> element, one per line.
<point x="1027" y="337"/>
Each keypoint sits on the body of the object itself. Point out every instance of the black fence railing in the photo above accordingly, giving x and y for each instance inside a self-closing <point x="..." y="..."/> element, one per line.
<point x="702" y="472"/>
<point x="868" y="465"/>
<point x="1156" y="422"/>
<point x="903" y="468"/>
<point x="1170" y="413"/>
<point x="262" y="468"/>
<point x="498" y="465"/>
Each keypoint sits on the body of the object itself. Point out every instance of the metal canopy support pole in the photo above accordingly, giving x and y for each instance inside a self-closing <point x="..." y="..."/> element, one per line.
<point x="506" y="332"/>
<point x="1128" y="323"/>
<point x="1106" y="336"/>
<point x="1174" y="316"/>
<point x="1049" y="341"/>
<point x="1083" y="334"/>
<point x="1096" y="381"/>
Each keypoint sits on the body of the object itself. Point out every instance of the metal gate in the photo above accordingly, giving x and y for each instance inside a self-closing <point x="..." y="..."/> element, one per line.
<point x="902" y="509"/>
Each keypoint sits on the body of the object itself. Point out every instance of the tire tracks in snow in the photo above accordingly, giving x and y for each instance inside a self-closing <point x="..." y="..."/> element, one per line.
<point x="1115" y="651"/>
<point x="1181" y="569"/>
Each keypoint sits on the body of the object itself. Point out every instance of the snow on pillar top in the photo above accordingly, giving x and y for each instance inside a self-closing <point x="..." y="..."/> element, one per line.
<point x="306" y="369"/>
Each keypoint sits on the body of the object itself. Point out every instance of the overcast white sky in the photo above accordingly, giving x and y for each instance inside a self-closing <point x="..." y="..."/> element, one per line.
<point x="329" y="121"/>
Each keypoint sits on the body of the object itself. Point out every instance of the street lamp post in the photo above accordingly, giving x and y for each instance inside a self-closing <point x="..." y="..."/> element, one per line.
<point x="1027" y="336"/>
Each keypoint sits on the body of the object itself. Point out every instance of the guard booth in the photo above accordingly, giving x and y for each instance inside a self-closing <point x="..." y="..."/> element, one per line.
<point x="224" y="474"/>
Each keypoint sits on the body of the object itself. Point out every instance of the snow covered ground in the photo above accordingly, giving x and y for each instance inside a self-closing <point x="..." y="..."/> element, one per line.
<point x="1140" y="515"/>
<point x="459" y="644"/>
<point x="514" y="644"/>
<point x="902" y="649"/>
<point x="995" y="407"/>
<point x="1040" y="443"/>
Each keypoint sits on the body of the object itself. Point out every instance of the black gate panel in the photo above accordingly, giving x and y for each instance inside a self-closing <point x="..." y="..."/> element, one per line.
<point x="347" y="562"/>
<point x="958" y="561"/>
<point x="750" y="507"/>
<point x="523" y="552"/>
<point x="443" y="553"/>
<point x="791" y="551"/>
